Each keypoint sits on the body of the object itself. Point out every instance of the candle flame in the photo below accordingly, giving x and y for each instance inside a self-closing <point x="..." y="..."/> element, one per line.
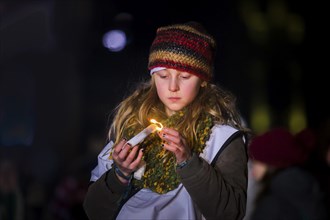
<point x="158" y="124"/>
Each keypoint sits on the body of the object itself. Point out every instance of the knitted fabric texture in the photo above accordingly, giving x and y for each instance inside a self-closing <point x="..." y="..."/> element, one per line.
<point x="185" y="47"/>
<point x="160" y="175"/>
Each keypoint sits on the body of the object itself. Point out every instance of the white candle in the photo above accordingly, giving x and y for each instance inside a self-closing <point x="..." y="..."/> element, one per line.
<point x="144" y="133"/>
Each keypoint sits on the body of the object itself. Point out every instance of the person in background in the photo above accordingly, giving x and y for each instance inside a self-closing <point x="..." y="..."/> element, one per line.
<point x="286" y="189"/>
<point x="316" y="144"/>
<point x="196" y="166"/>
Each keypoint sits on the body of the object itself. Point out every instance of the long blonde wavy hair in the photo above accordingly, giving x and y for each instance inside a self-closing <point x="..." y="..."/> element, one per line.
<point x="143" y="104"/>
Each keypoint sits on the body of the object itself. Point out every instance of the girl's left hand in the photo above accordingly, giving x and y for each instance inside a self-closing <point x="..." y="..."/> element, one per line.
<point x="175" y="143"/>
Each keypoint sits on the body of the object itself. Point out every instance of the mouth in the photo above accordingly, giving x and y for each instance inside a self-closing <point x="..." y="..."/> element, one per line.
<point x="174" y="99"/>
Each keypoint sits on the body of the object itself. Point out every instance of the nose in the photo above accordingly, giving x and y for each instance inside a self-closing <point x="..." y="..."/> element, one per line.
<point x="173" y="85"/>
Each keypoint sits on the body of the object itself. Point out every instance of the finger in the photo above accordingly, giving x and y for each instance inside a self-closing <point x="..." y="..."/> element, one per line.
<point x="127" y="155"/>
<point x="135" y="164"/>
<point x="180" y="154"/>
<point x="119" y="146"/>
<point x="170" y="131"/>
<point x="124" y="153"/>
<point x="132" y="161"/>
<point x="131" y="155"/>
<point x="172" y="147"/>
<point x="172" y="136"/>
<point x="120" y="157"/>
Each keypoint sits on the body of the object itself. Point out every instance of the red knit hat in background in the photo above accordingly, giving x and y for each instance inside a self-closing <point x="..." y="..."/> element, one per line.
<point x="307" y="140"/>
<point x="277" y="148"/>
<point x="185" y="47"/>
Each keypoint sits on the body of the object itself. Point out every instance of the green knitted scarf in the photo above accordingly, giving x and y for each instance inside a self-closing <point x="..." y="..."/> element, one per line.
<point x="160" y="174"/>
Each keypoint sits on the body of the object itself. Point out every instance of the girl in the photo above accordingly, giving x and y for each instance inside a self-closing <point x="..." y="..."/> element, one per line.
<point x="196" y="166"/>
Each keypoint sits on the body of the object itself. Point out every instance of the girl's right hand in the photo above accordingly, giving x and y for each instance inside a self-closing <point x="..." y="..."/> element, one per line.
<point x="126" y="158"/>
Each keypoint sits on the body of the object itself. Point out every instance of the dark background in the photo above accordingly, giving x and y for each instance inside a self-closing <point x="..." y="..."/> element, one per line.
<point x="59" y="85"/>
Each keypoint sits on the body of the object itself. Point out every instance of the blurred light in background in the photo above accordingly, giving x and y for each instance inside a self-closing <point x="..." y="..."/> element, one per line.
<point x="115" y="40"/>
<point x="260" y="118"/>
<point x="120" y="34"/>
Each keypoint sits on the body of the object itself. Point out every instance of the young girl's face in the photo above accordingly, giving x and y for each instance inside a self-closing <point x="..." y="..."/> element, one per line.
<point x="176" y="89"/>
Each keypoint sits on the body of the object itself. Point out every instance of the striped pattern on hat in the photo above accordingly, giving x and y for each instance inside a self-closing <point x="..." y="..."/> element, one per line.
<point x="185" y="47"/>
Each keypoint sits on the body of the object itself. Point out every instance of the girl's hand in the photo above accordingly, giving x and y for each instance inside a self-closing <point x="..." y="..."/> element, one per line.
<point x="127" y="159"/>
<point x="175" y="143"/>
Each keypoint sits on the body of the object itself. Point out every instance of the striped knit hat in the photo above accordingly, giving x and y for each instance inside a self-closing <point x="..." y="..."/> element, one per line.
<point x="185" y="47"/>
